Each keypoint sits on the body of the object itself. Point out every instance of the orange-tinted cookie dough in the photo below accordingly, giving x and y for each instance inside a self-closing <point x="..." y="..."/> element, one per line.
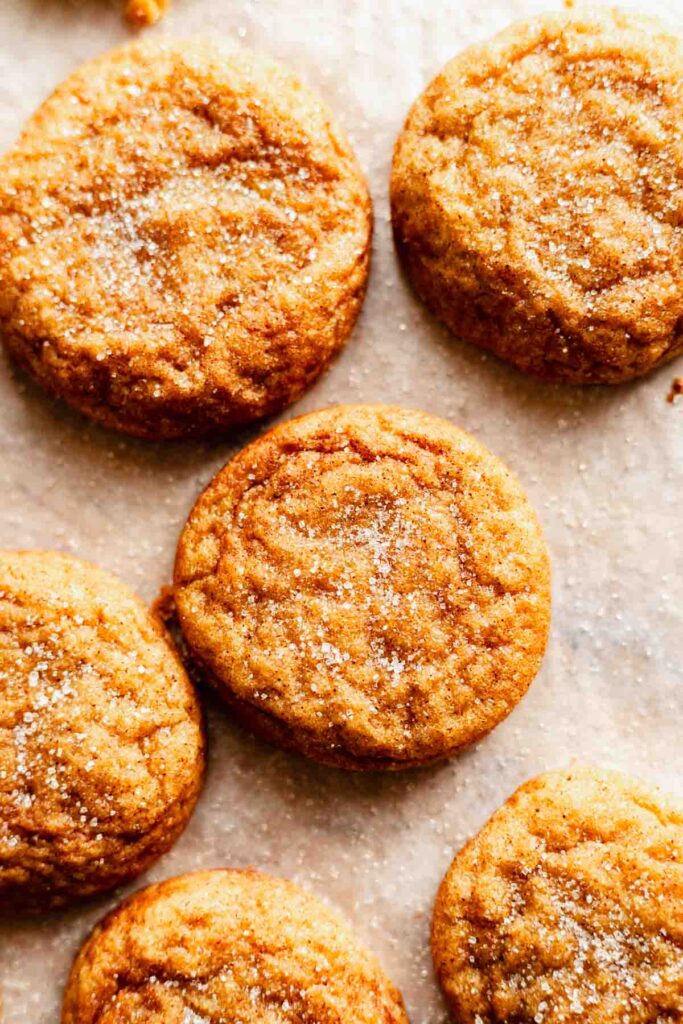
<point x="101" y="745"/>
<point x="567" y="907"/>
<point x="221" y="946"/>
<point x="537" y="195"/>
<point x="184" y="239"/>
<point x="367" y="585"/>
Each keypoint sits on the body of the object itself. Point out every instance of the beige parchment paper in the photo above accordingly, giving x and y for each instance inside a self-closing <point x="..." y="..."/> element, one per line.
<point x="604" y="468"/>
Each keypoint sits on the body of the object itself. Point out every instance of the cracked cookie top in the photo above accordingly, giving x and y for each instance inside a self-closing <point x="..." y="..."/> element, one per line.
<point x="537" y="195"/>
<point x="366" y="584"/>
<point x="566" y="908"/>
<point x="101" y="748"/>
<point x="220" y="946"/>
<point x="184" y="238"/>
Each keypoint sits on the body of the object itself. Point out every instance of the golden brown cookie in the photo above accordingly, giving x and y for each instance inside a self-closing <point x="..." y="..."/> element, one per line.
<point x="567" y="908"/>
<point x="220" y="946"/>
<point x="367" y="585"/>
<point x="101" y="744"/>
<point x="144" y="12"/>
<point x="184" y="239"/>
<point x="537" y="196"/>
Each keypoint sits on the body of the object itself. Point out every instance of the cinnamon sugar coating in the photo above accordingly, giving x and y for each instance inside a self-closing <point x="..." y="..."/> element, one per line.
<point x="220" y="946"/>
<point x="537" y="196"/>
<point x="101" y="744"/>
<point x="367" y="585"/>
<point x="184" y="239"/>
<point x="567" y="907"/>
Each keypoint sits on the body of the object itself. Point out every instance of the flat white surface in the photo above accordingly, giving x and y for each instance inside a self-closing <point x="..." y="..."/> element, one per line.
<point x="602" y="466"/>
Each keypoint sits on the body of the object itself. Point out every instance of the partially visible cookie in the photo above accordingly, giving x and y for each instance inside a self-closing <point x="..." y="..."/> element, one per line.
<point x="366" y="585"/>
<point x="145" y="12"/>
<point x="101" y="742"/>
<point x="567" y="907"/>
<point x="537" y="195"/>
<point x="227" y="946"/>
<point x="184" y="239"/>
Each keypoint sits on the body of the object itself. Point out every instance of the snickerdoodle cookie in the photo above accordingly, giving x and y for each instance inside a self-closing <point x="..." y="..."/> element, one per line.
<point x="367" y="585"/>
<point x="220" y="946"/>
<point x="184" y="239"/>
<point x="567" y="907"/>
<point x="101" y="744"/>
<point x="537" y="196"/>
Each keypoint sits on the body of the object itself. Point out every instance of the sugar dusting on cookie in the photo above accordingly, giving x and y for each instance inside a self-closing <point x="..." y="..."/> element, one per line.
<point x="228" y="945"/>
<point x="48" y="700"/>
<point x="562" y="909"/>
<point x="372" y="578"/>
<point x="101" y="749"/>
<point x="190" y="1017"/>
<point x="548" y="161"/>
<point x="191" y="248"/>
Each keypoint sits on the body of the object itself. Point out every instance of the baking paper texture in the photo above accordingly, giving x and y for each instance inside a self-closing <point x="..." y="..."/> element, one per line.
<point x="602" y="466"/>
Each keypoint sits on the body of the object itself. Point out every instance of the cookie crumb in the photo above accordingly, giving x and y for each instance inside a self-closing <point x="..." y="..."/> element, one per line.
<point x="163" y="607"/>
<point x="144" y="12"/>
<point x="676" y="390"/>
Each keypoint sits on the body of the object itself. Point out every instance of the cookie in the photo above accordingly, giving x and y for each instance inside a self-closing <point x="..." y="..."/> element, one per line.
<point x="226" y="946"/>
<point x="567" y="907"/>
<point x="101" y="743"/>
<point x="537" y="196"/>
<point x="144" y="12"/>
<point x="184" y="239"/>
<point x="366" y="585"/>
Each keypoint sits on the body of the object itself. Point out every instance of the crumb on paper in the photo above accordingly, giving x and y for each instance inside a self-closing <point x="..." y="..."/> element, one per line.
<point x="144" y="12"/>
<point x="163" y="608"/>
<point x="676" y="390"/>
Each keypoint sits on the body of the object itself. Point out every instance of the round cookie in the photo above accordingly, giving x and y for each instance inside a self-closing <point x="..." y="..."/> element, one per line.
<point x="101" y="742"/>
<point x="366" y="585"/>
<point x="537" y="196"/>
<point x="567" y="907"/>
<point x="226" y="946"/>
<point x="184" y="239"/>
